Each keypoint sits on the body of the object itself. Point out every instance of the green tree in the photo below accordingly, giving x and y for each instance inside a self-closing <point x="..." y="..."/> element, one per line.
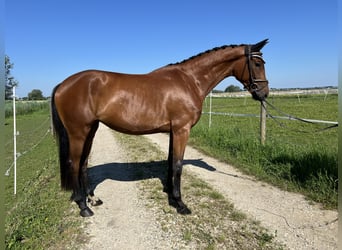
<point x="10" y="81"/>
<point x="232" y="88"/>
<point x="36" y="94"/>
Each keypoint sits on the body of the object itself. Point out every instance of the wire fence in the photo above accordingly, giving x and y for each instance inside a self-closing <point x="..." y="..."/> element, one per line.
<point x="28" y="150"/>
<point x="264" y="112"/>
<point x="16" y="133"/>
<point x="268" y="116"/>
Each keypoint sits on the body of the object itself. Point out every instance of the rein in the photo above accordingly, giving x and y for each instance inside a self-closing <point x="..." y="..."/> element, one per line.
<point x="291" y="117"/>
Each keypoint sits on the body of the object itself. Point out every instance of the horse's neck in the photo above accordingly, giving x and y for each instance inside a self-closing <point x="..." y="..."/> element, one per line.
<point x="211" y="68"/>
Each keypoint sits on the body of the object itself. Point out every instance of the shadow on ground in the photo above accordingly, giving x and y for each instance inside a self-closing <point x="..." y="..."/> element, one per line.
<point x="134" y="171"/>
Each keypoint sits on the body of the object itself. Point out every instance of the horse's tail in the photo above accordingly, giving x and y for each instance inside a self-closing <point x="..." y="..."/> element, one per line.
<point x="63" y="144"/>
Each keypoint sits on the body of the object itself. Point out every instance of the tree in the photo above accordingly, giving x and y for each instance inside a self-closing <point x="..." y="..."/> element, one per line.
<point x="10" y="81"/>
<point x="36" y="94"/>
<point x="232" y="88"/>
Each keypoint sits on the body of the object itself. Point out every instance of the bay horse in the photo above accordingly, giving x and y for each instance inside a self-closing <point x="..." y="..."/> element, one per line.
<point x="168" y="99"/>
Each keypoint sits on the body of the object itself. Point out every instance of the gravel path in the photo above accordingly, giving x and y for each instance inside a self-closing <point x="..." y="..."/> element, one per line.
<point x="124" y="222"/>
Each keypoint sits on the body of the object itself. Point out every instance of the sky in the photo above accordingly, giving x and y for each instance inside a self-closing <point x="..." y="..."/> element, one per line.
<point x="49" y="40"/>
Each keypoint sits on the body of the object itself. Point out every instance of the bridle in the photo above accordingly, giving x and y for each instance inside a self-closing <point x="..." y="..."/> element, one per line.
<point x="253" y="82"/>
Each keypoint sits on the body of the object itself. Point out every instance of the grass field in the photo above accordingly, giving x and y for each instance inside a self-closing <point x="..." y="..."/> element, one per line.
<point x="39" y="216"/>
<point x="295" y="156"/>
<point x="25" y="107"/>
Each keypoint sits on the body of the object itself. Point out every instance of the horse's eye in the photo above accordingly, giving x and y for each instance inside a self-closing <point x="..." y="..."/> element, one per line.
<point x="257" y="64"/>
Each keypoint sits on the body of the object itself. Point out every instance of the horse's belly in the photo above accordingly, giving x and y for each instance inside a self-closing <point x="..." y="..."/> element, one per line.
<point x="141" y="115"/>
<point x="136" y="124"/>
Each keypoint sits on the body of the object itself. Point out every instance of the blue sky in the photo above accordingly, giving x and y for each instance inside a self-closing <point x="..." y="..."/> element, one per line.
<point x="49" y="40"/>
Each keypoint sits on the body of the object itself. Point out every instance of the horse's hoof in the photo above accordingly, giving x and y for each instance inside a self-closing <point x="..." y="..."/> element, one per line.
<point x="86" y="212"/>
<point x="96" y="203"/>
<point x="183" y="210"/>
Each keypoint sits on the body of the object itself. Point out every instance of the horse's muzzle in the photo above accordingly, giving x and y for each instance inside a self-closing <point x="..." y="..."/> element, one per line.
<point x="259" y="95"/>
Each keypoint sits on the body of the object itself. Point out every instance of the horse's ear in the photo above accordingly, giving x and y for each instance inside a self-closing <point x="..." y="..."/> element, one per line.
<point x="257" y="47"/>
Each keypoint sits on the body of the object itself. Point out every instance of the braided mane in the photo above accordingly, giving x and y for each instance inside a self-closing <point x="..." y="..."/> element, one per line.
<point x="208" y="51"/>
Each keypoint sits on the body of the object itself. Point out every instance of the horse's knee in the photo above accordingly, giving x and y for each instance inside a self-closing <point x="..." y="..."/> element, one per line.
<point x="177" y="172"/>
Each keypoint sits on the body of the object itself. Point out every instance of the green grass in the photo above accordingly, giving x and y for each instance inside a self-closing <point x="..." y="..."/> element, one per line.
<point x="25" y="107"/>
<point x="39" y="216"/>
<point x="295" y="156"/>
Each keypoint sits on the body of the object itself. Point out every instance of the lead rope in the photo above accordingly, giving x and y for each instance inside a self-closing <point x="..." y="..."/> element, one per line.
<point x="291" y="117"/>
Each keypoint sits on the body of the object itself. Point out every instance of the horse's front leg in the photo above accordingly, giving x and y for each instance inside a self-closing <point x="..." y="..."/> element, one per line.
<point x="180" y="139"/>
<point x="176" y="192"/>
<point x="169" y="183"/>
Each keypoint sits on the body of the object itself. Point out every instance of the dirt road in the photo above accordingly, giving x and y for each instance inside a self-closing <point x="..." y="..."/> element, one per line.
<point x="124" y="222"/>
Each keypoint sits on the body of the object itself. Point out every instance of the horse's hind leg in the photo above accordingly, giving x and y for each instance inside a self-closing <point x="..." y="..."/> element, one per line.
<point x="92" y="199"/>
<point x="78" y="161"/>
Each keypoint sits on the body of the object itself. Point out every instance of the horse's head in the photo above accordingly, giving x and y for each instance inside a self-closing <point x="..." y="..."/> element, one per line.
<point x="250" y="71"/>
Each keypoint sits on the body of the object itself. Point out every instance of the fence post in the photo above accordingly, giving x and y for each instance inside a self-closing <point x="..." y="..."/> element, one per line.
<point x="51" y="119"/>
<point x="262" y="123"/>
<point x="210" y="103"/>
<point x="14" y="143"/>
